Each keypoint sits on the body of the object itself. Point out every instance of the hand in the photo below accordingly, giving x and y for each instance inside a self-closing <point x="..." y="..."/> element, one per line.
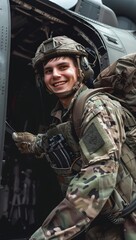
<point x="25" y="141"/>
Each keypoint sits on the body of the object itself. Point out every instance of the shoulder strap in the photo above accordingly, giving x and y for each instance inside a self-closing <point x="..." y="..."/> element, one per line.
<point x="80" y="102"/>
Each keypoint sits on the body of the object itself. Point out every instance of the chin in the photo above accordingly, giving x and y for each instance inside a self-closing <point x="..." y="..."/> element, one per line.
<point x="65" y="94"/>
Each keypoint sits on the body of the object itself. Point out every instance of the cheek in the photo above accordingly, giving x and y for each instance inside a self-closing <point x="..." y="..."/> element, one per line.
<point x="46" y="80"/>
<point x="47" y="83"/>
<point x="73" y="75"/>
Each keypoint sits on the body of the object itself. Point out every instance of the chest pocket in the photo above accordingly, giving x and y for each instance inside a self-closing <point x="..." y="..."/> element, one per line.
<point x="62" y="148"/>
<point x="59" y="152"/>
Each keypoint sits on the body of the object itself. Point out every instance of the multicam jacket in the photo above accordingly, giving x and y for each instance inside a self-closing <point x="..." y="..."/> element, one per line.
<point x="92" y="172"/>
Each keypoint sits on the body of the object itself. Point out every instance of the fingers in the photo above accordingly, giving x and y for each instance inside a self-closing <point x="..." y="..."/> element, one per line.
<point x="23" y="137"/>
<point x="14" y="136"/>
<point x="24" y="147"/>
<point x="24" y="141"/>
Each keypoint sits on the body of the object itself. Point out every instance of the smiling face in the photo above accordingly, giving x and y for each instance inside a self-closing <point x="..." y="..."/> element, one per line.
<point x="60" y="75"/>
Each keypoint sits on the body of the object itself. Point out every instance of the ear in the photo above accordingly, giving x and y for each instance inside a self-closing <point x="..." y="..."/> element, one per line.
<point x="39" y="80"/>
<point x="86" y="69"/>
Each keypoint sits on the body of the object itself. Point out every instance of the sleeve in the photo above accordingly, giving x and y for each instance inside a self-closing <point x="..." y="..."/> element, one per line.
<point x="100" y="141"/>
<point x="101" y="137"/>
<point x="39" y="149"/>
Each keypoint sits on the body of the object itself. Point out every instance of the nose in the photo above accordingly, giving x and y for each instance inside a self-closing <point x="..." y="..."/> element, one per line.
<point x="55" y="72"/>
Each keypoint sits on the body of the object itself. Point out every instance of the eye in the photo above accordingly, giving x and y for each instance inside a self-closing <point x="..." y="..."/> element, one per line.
<point x="63" y="67"/>
<point x="47" y="71"/>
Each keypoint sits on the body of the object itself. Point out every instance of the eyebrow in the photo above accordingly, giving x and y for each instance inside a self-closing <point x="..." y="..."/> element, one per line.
<point x="59" y="64"/>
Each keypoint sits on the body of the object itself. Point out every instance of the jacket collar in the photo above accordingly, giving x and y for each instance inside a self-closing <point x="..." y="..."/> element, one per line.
<point x="58" y="111"/>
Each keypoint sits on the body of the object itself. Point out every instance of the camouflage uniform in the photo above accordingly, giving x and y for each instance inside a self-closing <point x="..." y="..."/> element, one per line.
<point x="98" y="183"/>
<point x="97" y="169"/>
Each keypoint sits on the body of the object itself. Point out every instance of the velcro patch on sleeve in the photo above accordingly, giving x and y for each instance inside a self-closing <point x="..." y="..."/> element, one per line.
<point x="96" y="143"/>
<point x="92" y="139"/>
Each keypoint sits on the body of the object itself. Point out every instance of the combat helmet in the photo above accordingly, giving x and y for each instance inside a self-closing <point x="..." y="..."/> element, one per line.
<point x="61" y="46"/>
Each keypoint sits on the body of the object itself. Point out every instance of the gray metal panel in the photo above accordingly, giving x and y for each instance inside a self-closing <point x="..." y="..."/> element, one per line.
<point x="119" y="42"/>
<point x="67" y="4"/>
<point x="5" y="35"/>
<point x="97" y="11"/>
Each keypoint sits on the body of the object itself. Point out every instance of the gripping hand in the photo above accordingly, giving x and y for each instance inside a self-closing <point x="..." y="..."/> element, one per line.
<point x="25" y="141"/>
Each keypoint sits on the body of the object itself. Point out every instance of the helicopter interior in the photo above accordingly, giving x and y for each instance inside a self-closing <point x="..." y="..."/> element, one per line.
<point x="103" y="27"/>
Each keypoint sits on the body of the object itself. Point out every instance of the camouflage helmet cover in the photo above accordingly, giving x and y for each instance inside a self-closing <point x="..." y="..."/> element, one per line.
<point x="57" y="46"/>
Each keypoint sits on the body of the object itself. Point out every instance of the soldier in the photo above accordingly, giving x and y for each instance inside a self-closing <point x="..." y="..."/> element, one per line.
<point x="95" y="182"/>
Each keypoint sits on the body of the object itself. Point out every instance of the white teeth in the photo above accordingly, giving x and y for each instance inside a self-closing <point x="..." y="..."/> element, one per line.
<point x="57" y="84"/>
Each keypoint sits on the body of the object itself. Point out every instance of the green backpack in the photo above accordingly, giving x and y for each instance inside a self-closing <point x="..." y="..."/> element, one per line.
<point x="118" y="81"/>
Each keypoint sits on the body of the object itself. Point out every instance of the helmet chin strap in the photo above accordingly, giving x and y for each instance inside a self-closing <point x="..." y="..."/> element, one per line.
<point x="80" y="72"/>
